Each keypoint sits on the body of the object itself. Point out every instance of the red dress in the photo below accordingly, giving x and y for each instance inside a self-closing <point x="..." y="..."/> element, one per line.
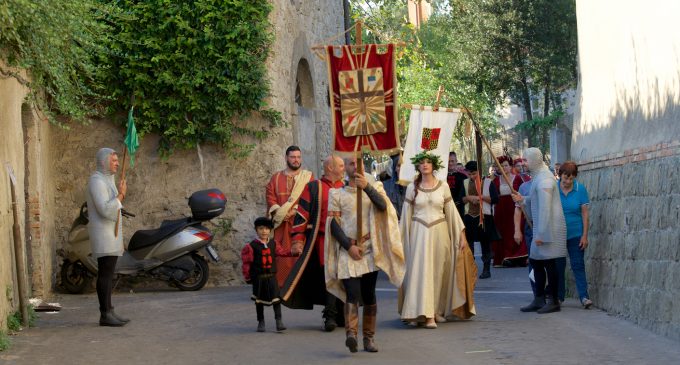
<point x="507" y="252"/>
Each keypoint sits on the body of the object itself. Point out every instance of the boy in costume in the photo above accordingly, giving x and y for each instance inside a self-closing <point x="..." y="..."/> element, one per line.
<point x="259" y="269"/>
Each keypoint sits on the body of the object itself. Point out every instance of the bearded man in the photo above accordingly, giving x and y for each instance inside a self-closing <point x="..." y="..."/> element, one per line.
<point x="283" y="191"/>
<point x="306" y="286"/>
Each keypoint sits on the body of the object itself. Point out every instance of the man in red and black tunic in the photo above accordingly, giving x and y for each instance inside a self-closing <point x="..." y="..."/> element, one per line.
<point x="306" y="285"/>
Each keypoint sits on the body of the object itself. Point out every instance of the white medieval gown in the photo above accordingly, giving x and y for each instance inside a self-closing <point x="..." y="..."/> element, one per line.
<point x="439" y="277"/>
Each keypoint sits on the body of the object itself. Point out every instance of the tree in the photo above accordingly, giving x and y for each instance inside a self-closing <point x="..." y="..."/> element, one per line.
<point x="526" y="47"/>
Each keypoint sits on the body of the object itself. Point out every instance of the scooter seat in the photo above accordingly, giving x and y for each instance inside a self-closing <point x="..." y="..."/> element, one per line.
<point x="149" y="237"/>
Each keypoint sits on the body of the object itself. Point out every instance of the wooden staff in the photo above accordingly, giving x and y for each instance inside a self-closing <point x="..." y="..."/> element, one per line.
<point x="19" y="251"/>
<point x="498" y="164"/>
<point x="360" y="162"/>
<point x="440" y="91"/>
<point x="122" y="178"/>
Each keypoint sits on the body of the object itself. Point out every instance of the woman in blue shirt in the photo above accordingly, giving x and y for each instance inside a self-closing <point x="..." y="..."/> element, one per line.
<point x="575" y="203"/>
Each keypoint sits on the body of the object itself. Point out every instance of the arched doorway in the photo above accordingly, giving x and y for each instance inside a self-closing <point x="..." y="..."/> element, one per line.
<point x="304" y="126"/>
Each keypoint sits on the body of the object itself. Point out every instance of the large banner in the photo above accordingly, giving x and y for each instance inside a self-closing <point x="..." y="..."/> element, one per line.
<point x="362" y="85"/>
<point x="431" y="131"/>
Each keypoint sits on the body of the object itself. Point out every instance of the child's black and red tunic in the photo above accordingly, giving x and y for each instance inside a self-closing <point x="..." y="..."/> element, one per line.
<point x="259" y="267"/>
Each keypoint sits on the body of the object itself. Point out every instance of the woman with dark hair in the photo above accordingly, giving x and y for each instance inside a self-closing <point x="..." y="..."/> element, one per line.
<point x="507" y="252"/>
<point x="440" y="270"/>
<point x="575" y="202"/>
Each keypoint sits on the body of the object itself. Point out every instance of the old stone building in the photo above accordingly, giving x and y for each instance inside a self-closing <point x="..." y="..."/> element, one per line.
<point x="52" y="164"/>
<point x="626" y="139"/>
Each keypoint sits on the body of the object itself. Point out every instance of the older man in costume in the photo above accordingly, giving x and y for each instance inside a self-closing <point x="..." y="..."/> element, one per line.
<point x="352" y="262"/>
<point x="283" y="191"/>
<point x="549" y="240"/>
<point x="305" y="284"/>
<point x="104" y="203"/>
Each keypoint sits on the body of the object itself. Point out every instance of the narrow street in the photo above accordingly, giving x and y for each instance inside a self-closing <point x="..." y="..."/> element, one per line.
<point x="217" y="326"/>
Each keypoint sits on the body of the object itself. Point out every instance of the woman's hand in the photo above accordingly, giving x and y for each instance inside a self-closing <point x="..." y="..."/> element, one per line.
<point x="463" y="242"/>
<point x="517" y="198"/>
<point x="518" y="237"/>
<point x="584" y="243"/>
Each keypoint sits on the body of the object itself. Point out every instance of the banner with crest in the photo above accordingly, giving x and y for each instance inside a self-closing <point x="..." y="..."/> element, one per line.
<point x="362" y="86"/>
<point x="428" y="130"/>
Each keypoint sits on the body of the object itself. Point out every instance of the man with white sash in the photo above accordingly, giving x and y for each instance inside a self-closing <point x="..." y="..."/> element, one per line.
<point x="283" y="191"/>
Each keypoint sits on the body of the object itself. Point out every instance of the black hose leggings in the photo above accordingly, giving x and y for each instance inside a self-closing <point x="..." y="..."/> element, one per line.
<point x="107" y="266"/>
<point x="259" y="309"/>
<point x="361" y="290"/>
<point x="541" y="267"/>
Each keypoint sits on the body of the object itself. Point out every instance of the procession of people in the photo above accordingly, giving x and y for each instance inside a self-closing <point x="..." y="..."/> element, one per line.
<point x="317" y="246"/>
<point x="337" y="247"/>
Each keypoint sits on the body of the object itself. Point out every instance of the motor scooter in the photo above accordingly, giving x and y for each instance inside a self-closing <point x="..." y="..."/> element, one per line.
<point x="169" y="253"/>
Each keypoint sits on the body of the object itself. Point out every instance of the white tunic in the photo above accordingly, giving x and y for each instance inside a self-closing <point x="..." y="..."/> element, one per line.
<point x="342" y="205"/>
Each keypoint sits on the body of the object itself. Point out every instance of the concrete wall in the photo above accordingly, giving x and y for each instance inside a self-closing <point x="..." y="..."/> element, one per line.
<point x="626" y="138"/>
<point x="157" y="189"/>
<point x="629" y="87"/>
<point x="12" y="153"/>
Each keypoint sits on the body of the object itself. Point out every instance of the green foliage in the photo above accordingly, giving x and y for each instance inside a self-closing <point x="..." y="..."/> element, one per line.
<point x="4" y="341"/>
<point x="517" y="48"/>
<point x="223" y="226"/>
<point x="194" y="69"/>
<point x="57" y="41"/>
<point x="14" y="321"/>
<point x="539" y="127"/>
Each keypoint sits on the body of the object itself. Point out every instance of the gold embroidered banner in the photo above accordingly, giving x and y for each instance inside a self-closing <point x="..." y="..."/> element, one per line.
<point x="362" y="88"/>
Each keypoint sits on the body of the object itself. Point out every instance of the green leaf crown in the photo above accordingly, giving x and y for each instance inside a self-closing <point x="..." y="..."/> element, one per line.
<point x="426" y="155"/>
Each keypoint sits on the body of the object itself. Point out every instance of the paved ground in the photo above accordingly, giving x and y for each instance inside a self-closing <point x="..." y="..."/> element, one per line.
<point x="217" y="326"/>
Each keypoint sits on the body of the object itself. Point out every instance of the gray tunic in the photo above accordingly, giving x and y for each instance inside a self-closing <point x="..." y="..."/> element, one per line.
<point x="103" y="208"/>
<point x="549" y="225"/>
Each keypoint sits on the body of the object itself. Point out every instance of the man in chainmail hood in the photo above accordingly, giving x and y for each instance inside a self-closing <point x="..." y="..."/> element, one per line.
<point x="104" y="203"/>
<point x="549" y="229"/>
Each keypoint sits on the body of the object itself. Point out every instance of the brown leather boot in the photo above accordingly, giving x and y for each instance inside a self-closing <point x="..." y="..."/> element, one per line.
<point x="370" y="318"/>
<point x="351" y="325"/>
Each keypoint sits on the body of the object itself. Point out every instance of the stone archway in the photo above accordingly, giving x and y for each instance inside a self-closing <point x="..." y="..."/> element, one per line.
<point x="304" y="125"/>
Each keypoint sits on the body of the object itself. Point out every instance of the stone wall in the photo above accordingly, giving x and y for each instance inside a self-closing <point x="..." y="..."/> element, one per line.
<point x="633" y="262"/>
<point x="41" y="207"/>
<point x="12" y="154"/>
<point x="157" y="188"/>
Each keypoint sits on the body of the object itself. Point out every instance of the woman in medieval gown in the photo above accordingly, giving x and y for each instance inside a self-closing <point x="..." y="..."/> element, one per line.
<point x="507" y="252"/>
<point x="440" y="269"/>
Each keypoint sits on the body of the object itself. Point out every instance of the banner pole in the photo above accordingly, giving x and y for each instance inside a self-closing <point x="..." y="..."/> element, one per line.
<point x="498" y="164"/>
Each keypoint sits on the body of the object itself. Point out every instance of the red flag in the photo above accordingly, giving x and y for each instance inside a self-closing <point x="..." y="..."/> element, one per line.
<point x="362" y="84"/>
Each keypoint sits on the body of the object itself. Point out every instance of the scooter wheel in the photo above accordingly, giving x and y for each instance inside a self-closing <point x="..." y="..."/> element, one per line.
<point x="74" y="277"/>
<point x="197" y="277"/>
